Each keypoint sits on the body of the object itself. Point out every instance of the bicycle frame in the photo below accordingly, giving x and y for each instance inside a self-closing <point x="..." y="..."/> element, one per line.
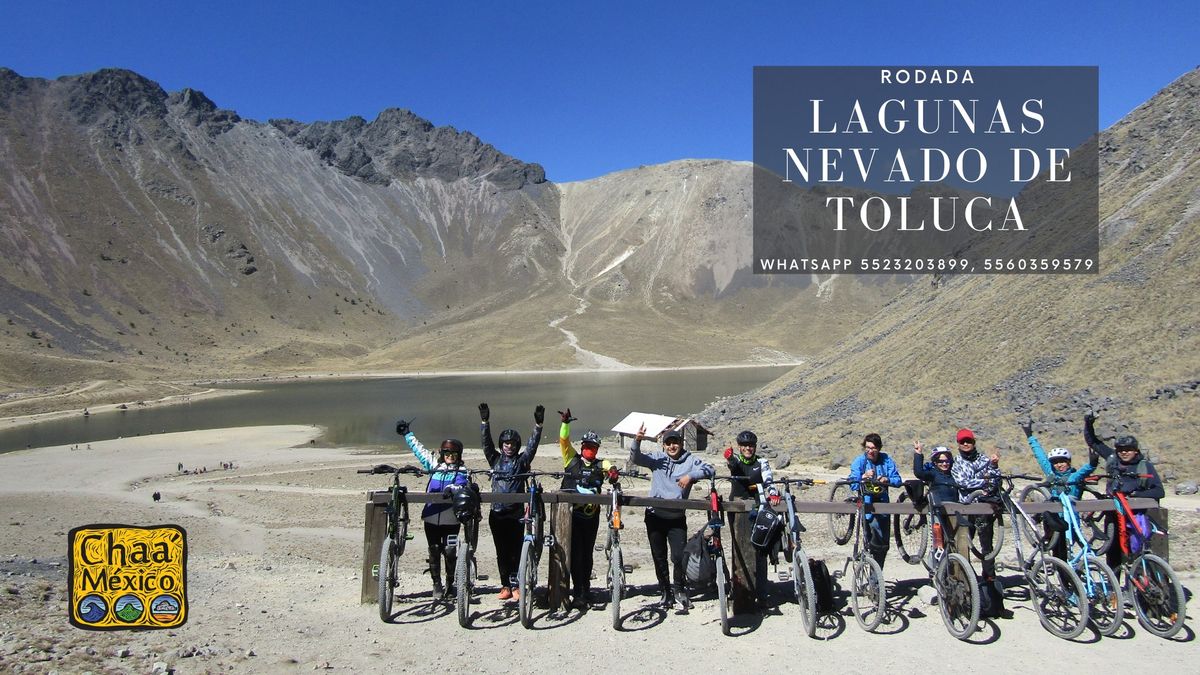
<point x="1051" y="599"/>
<point x="1158" y="598"/>
<point x="957" y="589"/>
<point x="866" y="579"/>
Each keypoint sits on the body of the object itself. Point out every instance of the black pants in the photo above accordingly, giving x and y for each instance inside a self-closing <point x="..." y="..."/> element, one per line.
<point x="664" y="533"/>
<point x="508" y="533"/>
<point x="435" y="537"/>
<point x="981" y="527"/>
<point x="583" y="539"/>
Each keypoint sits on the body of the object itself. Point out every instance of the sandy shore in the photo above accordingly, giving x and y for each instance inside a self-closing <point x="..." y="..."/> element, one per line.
<point x="274" y="577"/>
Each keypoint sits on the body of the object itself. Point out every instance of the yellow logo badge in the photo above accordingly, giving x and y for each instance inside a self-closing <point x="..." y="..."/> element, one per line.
<point x="127" y="577"/>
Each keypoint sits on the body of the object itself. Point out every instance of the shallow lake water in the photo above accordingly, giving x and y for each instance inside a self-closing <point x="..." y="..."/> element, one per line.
<point x="364" y="411"/>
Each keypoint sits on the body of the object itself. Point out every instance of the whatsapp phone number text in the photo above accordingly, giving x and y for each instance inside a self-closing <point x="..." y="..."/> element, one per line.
<point x="935" y="265"/>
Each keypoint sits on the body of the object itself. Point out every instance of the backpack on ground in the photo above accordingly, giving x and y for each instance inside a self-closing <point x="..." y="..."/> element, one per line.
<point x="822" y="585"/>
<point x="991" y="599"/>
<point x="700" y="570"/>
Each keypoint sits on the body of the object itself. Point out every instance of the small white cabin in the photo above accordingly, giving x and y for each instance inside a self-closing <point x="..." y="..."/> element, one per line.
<point x="695" y="436"/>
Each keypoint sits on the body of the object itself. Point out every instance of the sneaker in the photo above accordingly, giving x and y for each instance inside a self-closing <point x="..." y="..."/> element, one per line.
<point x="682" y="599"/>
<point x="438" y="590"/>
<point x="505" y="593"/>
<point x="516" y="593"/>
<point x="579" y="602"/>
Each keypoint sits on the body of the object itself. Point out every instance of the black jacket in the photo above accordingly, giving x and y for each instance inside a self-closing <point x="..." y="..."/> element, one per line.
<point x="503" y="468"/>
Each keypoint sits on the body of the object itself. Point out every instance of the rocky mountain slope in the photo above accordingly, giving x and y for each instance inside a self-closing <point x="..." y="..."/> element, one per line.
<point x="981" y="351"/>
<point x="153" y="235"/>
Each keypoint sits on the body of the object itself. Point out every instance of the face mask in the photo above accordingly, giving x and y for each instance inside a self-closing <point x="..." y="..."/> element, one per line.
<point x="589" y="453"/>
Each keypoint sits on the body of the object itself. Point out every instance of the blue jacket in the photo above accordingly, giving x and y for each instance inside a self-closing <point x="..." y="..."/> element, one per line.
<point x="443" y="475"/>
<point x="1069" y="480"/>
<point x="885" y="467"/>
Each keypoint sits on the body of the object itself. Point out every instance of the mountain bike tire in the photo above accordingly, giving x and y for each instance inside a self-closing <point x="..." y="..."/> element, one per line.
<point x="723" y="593"/>
<point x="997" y="539"/>
<point x="1037" y="494"/>
<point x="389" y="558"/>
<point x="1100" y="530"/>
<point x="1158" y="597"/>
<point x="841" y="525"/>
<point x="1058" y="597"/>
<point x="867" y="597"/>
<point x="1106" y="602"/>
<point x="911" y="532"/>
<point x="526" y="583"/>
<point x="616" y="575"/>
<point x="958" y="596"/>
<point x="462" y="582"/>
<point x="806" y="593"/>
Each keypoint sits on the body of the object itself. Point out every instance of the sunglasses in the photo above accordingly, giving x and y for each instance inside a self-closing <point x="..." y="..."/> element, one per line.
<point x="967" y="441"/>
<point x="942" y="461"/>
<point x="869" y="447"/>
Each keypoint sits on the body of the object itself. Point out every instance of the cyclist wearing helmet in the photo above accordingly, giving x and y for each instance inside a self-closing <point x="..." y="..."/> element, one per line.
<point x="1129" y="473"/>
<point x="672" y="474"/>
<point x="585" y="474"/>
<point x="753" y="479"/>
<point x="975" y="471"/>
<point x="1062" y="477"/>
<point x="505" y="519"/>
<point x="440" y="523"/>
<point x="874" y="472"/>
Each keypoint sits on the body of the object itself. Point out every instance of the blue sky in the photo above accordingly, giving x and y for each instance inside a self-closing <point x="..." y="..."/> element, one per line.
<point x="582" y="88"/>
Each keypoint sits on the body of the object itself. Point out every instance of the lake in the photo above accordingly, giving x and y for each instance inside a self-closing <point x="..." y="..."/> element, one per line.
<point x="364" y="412"/>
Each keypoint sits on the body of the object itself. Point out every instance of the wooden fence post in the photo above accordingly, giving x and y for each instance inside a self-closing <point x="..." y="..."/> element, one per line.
<point x="374" y="532"/>
<point x="559" y="582"/>
<point x="744" y="560"/>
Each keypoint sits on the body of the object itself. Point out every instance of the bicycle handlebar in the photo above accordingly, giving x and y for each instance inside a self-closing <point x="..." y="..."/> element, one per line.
<point x="388" y="468"/>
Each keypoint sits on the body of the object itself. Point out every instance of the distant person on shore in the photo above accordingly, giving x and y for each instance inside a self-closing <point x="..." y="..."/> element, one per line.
<point x="752" y="480"/>
<point x="673" y="471"/>
<point x="1131" y="474"/>
<point x="508" y="532"/>
<point x="872" y="473"/>
<point x="156" y="496"/>
<point x="440" y="523"/>
<point x="585" y="473"/>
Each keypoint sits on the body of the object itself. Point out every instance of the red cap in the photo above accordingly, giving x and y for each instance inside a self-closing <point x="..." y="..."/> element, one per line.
<point x="964" y="434"/>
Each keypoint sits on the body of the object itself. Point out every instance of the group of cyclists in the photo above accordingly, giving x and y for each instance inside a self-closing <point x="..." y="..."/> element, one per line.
<point x="950" y="475"/>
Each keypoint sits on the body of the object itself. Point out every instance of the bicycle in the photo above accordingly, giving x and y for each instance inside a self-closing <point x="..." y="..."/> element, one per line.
<point x="952" y="576"/>
<point x="466" y="500"/>
<point x="715" y="551"/>
<point x="1057" y="593"/>
<point x="397" y="536"/>
<point x="617" y="569"/>
<point x="793" y="553"/>
<point x="867" y="597"/>
<point x="1099" y="531"/>
<point x="1150" y="581"/>
<point x="532" y="544"/>
<point x="1106" y="604"/>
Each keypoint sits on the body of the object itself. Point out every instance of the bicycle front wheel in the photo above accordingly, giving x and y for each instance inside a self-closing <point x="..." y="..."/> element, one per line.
<point x="997" y="539"/>
<point x="526" y="583"/>
<point x="1157" y="596"/>
<point x="462" y="583"/>
<point x="616" y="581"/>
<point x="806" y="593"/>
<point x="1058" y="597"/>
<point x="866" y="593"/>
<point x="841" y="525"/>
<point x="1035" y="494"/>
<point x="389" y="558"/>
<point x="911" y="532"/>
<point x="723" y="593"/>
<point x="1098" y="528"/>
<point x="958" y="596"/>
<point x="1106" y="604"/>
